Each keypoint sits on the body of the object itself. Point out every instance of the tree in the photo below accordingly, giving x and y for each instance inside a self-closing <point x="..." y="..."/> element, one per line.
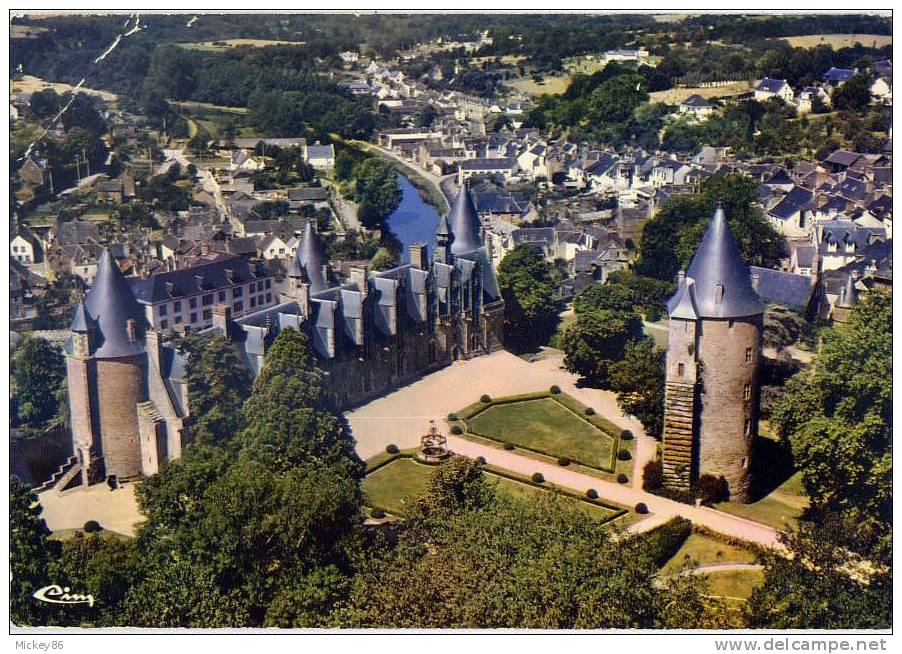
<point x="604" y="296"/>
<point x="527" y="285"/>
<point x="218" y="384"/>
<point x="378" y="191"/>
<point x="287" y="416"/>
<point x="854" y="95"/>
<point x="136" y="214"/>
<point x="344" y="165"/>
<point x="638" y="380"/>
<point x="30" y="556"/>
<point x="837" y="417"/>
<point x="39" y="374"/>
<point x="597" y="340"/>
<point x="45" y="103"/>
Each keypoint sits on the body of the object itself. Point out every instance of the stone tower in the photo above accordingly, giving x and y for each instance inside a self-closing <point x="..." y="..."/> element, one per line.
<point x="307" y="272"/>
<point x="106" y="373"/>
<point x="711" y="405"/>
<point x="464" y="223"/>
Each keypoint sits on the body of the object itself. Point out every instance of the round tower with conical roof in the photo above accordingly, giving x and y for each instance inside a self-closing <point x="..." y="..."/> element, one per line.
<point x="106" y="376"/>
<point x="464" y="223"/>
<point x="307" y="272"/>
<point x="711" y="405"/>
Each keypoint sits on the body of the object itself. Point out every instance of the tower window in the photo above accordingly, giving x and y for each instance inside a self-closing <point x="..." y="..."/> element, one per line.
<point x="681" y="369"/>
<point x="748" y="355"/>
<point x="747" y="392"/>
<point x="748" y="427"/>
<point x="745" y="463"/>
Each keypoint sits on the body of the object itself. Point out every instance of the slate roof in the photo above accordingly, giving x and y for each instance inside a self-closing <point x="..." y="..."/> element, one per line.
<point x="770" y="85"/>
<point x="783" y="288"/>
<point x="842" y="158"/>
<point x="797" y="199"/>
<point x="839" y="74"/>
<point x="195" y="279"/>
<point x="315" y="193"/>
<point x="464" y="223"/>
<point x="500" y="163"/>
<point x="308" y="260"/>
<point x="716" y="265"/>
<point x="320" y="152"/>
<point x="696" y="101"/>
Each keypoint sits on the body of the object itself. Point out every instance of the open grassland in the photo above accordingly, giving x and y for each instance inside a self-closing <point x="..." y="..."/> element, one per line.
<point x="780" y="509"/>
<point x="31" y="84"/>
<point x="226" y="44"/>
<point x="675" y="96"/>
<point x="705" y="550"/>
<point x="545" y="426"/>
<point x="837" y="41"/>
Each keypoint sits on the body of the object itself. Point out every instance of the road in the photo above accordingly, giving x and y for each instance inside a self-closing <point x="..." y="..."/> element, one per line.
<point x="661" y="507"/>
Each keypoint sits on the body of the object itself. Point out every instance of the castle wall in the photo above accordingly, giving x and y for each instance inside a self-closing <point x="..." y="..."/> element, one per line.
<point x="119" y="386"/>
<point x="679" y="451"/>
<point x="79" y="376"/>
<point x="728" y="400"/>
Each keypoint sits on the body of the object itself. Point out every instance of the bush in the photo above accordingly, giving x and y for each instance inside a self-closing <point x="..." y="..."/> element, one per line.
<point x="555" y="390"/>
<point x="480" y="460"/>
<point x="92" y="527"/>
<point x="508" y="445"/>
<point x="652" y="476"/>
<point x="485" y="399"/>
<point x="378" y="514"/>
<point x="641" y="508"/>
<point x="626" y="435"/>
<point x="662" y="543"/>
<point x="592" y="494"/>
<point x="624" y="454"/>
<point x="456" y="430"/>
<point x="563" y="461"/>
<point x="653" y="314"/>
<point x="538" y="477"/>
<point x="711" y="490"/>
<point x="452" y="417"/>
<point x="392" y="449"/>
<point x="590" y="411"/>
<point x="622" y="478"/>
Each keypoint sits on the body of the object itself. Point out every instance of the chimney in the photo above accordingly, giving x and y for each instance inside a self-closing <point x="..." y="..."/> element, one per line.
<point x="756" y="281"/>
<point x="154" y="347"/>
<point x="132" y="329"/>
<point x="418" y="256"/>
<point x="358" y="275"/>
<point x="222" y="318"/>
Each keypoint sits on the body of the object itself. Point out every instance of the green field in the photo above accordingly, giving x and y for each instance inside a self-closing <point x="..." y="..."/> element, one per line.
<point x="781" y="509"/>
<point x="393" y="487"/>
<point x="545" y="426"/>
<point x="734" y="584"/>
<point x="705" y="550"/>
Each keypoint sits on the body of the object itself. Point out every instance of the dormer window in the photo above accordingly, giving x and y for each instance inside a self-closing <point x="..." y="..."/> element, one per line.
<point x="718" y="294"/>
<point x="199" y="279"/>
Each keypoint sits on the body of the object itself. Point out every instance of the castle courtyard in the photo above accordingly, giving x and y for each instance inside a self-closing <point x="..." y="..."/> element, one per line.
<point x="114" y="510"/>
<point x="401" y="417"/>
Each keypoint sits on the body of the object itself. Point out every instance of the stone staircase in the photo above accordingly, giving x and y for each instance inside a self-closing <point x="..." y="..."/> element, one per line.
<point x="61" y="478"/>
<point x="677" y="453"/>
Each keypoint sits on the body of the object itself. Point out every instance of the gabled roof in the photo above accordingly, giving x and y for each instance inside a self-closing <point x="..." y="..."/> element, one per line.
<point x="793" y="202"/>
<point x="770" y="85"/>
<point x="696" y="101"/>
<point x="842" y="158"/>
<point x="722" y="288"/>
<point x="784" y="288"/>
<point x="839" y="74"/>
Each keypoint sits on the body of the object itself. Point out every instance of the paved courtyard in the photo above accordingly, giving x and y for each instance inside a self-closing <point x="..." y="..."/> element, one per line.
<point x="115" y="510"/>
<point x="403" y="416"/>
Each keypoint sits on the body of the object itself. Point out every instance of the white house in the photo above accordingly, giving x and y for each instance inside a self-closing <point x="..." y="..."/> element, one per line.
<point x="696" y="106"/>
<point x="321" y="157"/>
<point x="774" y="88"/>
<point x="882" y="90"/>
<point x="22" y="249"/>
<point x="806" y="98"/>
<point x="242" y="161"/>
<point x="273" y="247"/>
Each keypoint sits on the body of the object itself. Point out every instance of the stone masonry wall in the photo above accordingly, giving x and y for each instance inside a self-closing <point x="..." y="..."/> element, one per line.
<point x="119" y="387"/>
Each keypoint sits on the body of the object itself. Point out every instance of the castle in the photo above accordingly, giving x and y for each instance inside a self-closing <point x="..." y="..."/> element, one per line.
<point x="376" y="330"/>
<point x="711" y="391"/>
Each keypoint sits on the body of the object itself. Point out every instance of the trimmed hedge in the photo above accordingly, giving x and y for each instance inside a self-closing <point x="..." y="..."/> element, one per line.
<point x="480" y="460"/>
<point x="92" y="527"/>
<point x="392" y="449"/>
<point x="622" y="478"/>
<point x="624" y="455"/>
<point x="452" y="417"/>
<point x="589" y="411"/>
<point x="626" y="435"/>
<point x="377" y="514"/>
<point x="652" y="476"/>
<point x="456" y="430"/>
<point x="592" y="494"/>
<point x="555" y="390"/>
<point x="641" y="508"/>
<point x="508" y="445"/>
<point x="662" y="543"/>
<point x="538" y="477"/>
<point x="485" y="399"/>
<point x="563" y="461"/>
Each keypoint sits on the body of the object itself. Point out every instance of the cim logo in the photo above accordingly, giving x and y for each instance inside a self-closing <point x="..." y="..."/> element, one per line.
<point x="54" y="594"/>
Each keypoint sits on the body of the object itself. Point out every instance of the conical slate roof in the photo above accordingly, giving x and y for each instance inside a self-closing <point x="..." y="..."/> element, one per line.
<point x="80" y="320"/>
<point x="464" y="223"/>
<point x="308" y="260"/>
<point x="849" y="296"/>
<point x="716" y="268"/>
<point x="443" y="228"/>
<point x="110" y="304"/>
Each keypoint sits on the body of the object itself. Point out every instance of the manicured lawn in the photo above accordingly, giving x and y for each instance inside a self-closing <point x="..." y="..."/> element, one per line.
<point x="781" y="509"/>
<point x="392" y="486"/>
<point x="705" y="550"/>
<point x="545" y="426"/>
<point x="66" y="534"/>
<point x="734" y="583"/>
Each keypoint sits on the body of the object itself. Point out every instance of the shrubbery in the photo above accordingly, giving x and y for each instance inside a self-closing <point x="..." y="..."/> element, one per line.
<point x="92" y="526"/>
<point x="392" y="449"/>
<point x="590" y="411"/>
<point x="563" y="461"/>
<point x="555" y="390"/>
<point x="480" y="460"/>
<point x="626" y="435"/>
<point x="641" y="508"/>
<point x="592" y="494"/>
<point x="508" y="445"/>
<point x="652" y="476"/>
<point x="662" y="543"/>
<point x="378" y="514"/>
<point x="538" y="477"/>
<point x="622" y="478"/>
<point x="452" y="417"/>
<point x="624" y="455"/>
<point x="711" y="490"/>
<point x="456" y="430"/>
<point x="485" y="399"/>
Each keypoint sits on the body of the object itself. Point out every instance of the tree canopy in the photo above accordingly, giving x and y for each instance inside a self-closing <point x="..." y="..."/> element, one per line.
<point x="38" y="369"/>
<point x="528" y="287"/>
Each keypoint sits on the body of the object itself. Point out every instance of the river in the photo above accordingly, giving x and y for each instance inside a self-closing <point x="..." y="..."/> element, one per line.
<point x="414" y="221"/>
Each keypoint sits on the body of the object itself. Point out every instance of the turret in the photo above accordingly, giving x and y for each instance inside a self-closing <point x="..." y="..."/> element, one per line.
<point x="307" y="265"/>
<point x="464" y="223"/>
<point x="443" y="241"/>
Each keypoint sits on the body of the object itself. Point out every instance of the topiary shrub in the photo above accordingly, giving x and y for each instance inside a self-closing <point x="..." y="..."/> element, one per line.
<point x="508" y="445"/>
<point x="590" y="411"/>
<point x="378" y="514"/>
<point x="624" y="455"/>
<point x="652" y="476"/>
<point x="563" y="461"/>
<point x="485" y="399"/>
<point x="622" y="478"/>
<point x="452" y="417"/>
<point x="538" y="477"/>
<point x="641" y="508"/>
<point x="456" y="430"/>
<point x="592" y="494"/>
<point x="555" y="390"/>
<point x="626" y="435"/>
<point x="392" y="449"/>
<point x="92" y="526"/>
<point x="480" y="460"/>
<point x="711" y="490"/>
